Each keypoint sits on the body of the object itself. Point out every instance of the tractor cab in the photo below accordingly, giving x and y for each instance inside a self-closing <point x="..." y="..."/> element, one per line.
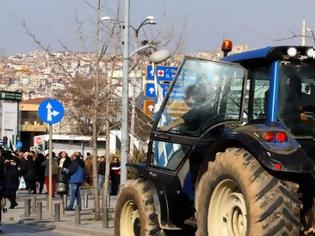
<point x="282" y="91"/>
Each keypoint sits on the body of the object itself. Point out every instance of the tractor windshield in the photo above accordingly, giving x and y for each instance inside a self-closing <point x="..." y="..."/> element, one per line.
<point x="205" y="93"/>
<point x="297" y="98"/>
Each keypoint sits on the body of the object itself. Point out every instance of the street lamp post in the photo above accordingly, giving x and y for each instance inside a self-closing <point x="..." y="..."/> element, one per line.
<point x="125" y="80"/>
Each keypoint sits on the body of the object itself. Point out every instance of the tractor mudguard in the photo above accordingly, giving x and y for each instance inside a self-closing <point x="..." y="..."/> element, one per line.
<point x="291" y="161"/>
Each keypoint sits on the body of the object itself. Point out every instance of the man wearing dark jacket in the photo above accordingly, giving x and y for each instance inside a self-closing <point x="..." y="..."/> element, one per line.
<point x="76" y="179"/>
<point x="40" y="158"/>
<point x="11" y="180"/>
<point x="30" y="174"/>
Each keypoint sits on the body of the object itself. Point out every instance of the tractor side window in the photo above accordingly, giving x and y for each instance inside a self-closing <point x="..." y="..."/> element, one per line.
<point x="205" y="93"/>
<point x="297" y="98"/>
<point x="261" y="93"/>
<point x="168" y="155"/>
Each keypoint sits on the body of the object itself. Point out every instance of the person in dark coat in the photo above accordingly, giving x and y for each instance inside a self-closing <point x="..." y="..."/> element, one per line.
<point x="30" y="174"/>
<point x="115" y="175"/>
<point x="101" y="173"/>
<point x="40" y="171"/>
<point x="23" y="165"/>
<point x="64" y="160"/>
<point x="3" y="155"/>
<point x="11" y="177"/>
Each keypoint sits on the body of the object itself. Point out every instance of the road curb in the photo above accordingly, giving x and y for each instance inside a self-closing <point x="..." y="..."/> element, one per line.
<point x="83" y="230"/>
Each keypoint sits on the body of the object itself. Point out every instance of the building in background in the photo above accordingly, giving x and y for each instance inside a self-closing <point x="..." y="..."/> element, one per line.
<point x="9" y="115"/>
<point x="30" y="123"/>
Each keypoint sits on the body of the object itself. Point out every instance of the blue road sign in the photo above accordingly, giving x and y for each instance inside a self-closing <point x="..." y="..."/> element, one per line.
<point x="150" y="73"/>
<point x="150" y="90"/>
<point x="51" y="111"/>
<point x="163" y="73"/>
<point x="19" y="144"/>
<point x="165" y="88"/>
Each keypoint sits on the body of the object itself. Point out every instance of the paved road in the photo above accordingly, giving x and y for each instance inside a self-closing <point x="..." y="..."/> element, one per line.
<point x="20" y="230"/>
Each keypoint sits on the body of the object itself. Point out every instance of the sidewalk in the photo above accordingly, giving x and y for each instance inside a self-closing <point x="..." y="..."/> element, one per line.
<point x="87" y="226"/>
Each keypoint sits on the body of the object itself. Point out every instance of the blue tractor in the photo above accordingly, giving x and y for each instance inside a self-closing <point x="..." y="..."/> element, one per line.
<point x="232" y="151"/>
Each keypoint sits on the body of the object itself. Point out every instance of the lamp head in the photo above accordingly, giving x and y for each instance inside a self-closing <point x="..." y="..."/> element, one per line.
<point x="159" y="56"/>
<point x="106" y="18"/>
<point x="151" y="20"/>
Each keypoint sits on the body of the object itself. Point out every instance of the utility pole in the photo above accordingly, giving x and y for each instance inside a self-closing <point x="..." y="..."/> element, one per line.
<point x="124" y="108"/>
<point x="303" y="33"/>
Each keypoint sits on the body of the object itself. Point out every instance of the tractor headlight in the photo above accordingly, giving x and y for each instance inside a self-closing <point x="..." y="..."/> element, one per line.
<point x="292" y="52"/>
<point x="310" y="52"/>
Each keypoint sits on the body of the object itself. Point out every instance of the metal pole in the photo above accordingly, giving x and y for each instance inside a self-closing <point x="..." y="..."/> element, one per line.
<point x="34" y="204"/>
<point x="124" y="108"/>
<point x="50" y="171"/>
<point x="303" y="33"/>
<point x="77" y="217"/>
<point x="57" y="212"/>
<point x="62" y="205"/>
<point x="39" y="211"/>
<point x="27" y="207"/>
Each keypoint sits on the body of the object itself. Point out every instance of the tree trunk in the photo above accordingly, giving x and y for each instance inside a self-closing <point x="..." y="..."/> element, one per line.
<point x="107" y="161"/>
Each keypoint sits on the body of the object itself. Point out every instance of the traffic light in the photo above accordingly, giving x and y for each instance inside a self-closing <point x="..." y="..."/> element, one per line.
<point x="46" y="145"/>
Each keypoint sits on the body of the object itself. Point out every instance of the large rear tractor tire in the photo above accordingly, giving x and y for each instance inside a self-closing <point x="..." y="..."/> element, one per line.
<point x="236" y="196"/>
<point x="135" y="212"/>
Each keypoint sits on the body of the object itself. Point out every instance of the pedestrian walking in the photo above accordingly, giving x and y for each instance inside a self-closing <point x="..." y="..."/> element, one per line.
<point x="2" y="182"/>
<point x="40" y="158"/>
<point x="76" y="178"/>
<point x="101" y="173"/>
<point x="30" y="174"/>
<point x="88" y="169"/>
<point x="11" y="180"/>
<point x="115" y="175"/>
<point x="23" y="163"/>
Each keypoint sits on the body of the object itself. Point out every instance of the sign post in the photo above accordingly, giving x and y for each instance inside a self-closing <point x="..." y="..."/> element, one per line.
<point x="50" y="111"/>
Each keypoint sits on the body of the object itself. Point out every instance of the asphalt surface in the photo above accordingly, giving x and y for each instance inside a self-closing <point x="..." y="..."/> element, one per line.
<point x="20" y="229"/>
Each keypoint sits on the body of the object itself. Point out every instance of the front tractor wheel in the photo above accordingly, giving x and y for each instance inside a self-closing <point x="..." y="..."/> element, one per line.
<point x="237" y="197"/>
<point x="135" y="212"/>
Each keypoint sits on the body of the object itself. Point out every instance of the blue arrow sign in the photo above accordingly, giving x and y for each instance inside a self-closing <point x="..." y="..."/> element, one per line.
<point x="150" y="90"/>
<point x="150" y="73"/>
<point x="163" y="73"/>
<point x="51" y="111"/>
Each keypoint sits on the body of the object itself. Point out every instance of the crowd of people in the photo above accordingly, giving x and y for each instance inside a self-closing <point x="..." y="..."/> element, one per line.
<point x="30" y="171"/>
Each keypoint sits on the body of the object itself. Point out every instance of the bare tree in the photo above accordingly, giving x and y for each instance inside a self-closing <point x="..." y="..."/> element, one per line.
<point x="93" y="97"/>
